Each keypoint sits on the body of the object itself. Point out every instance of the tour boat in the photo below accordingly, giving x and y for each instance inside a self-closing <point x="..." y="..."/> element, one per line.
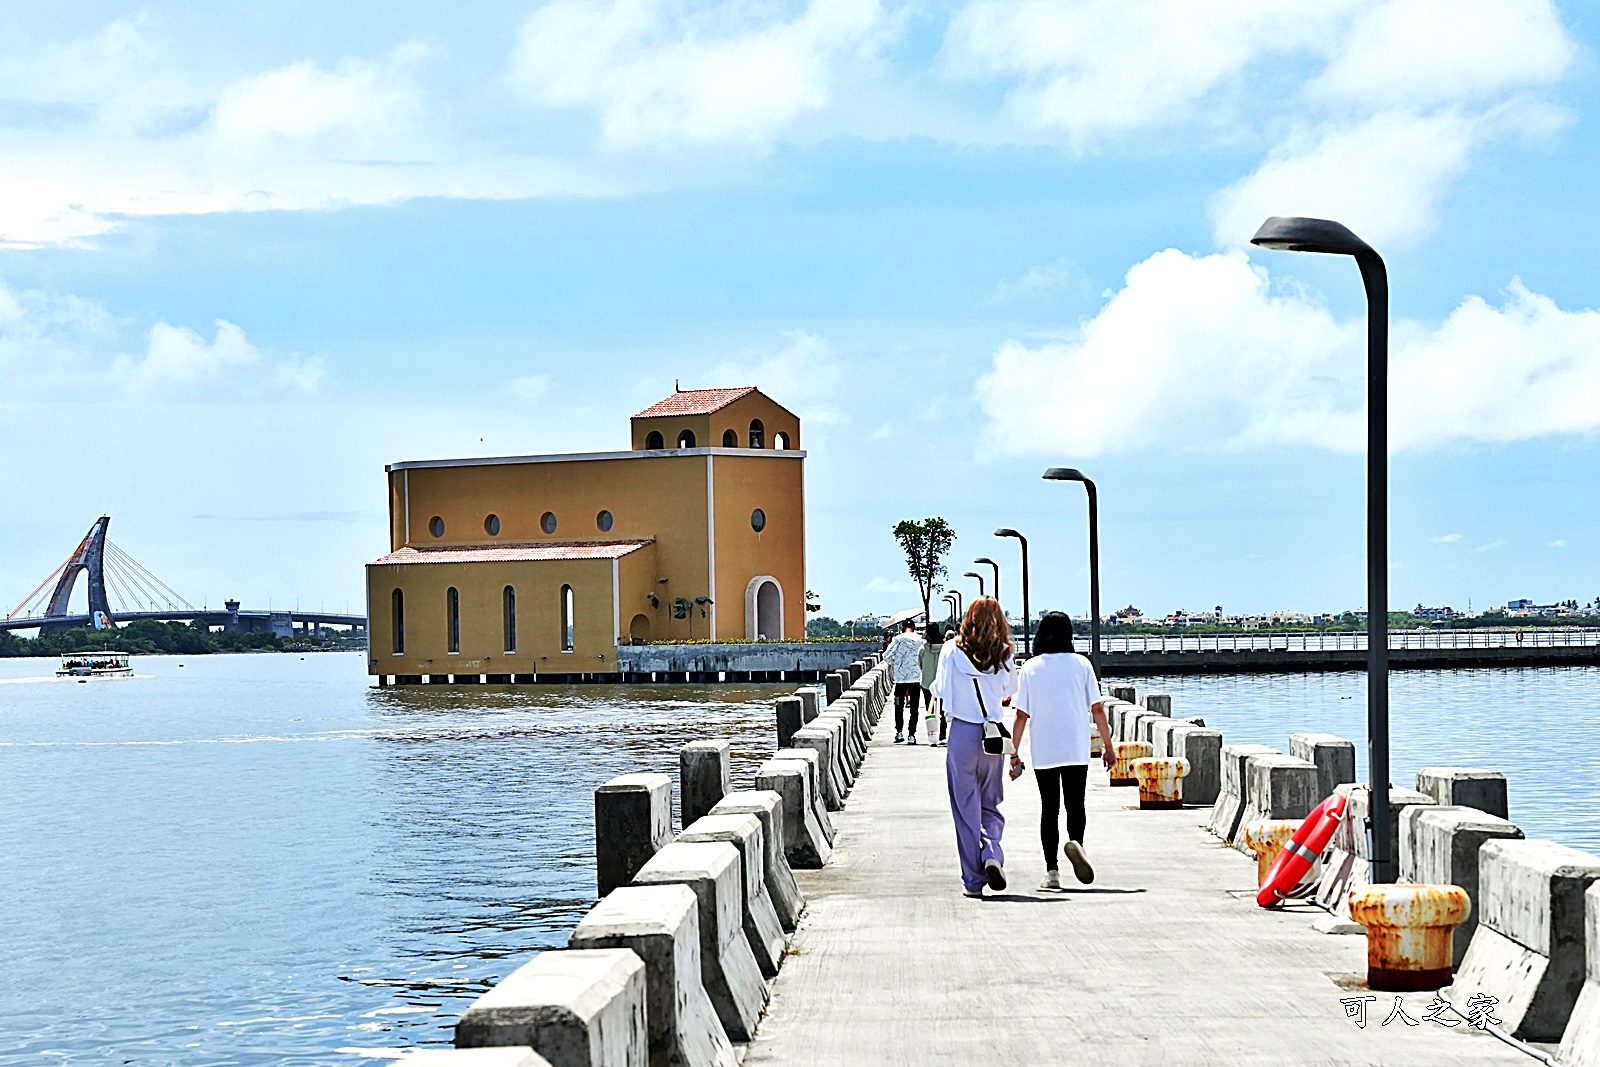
<point x="95" y="665"/>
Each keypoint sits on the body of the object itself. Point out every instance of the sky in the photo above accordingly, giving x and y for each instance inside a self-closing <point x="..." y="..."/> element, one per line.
<point x="250" y="253"/>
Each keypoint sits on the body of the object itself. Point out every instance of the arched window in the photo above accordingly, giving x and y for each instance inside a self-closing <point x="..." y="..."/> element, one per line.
<point x="604" y="520"/>
<point x="491" y="526"/>
<point x="547" y="522"/>
<point x="758" y="520"/>
<point x="509" y="610"/>
<point x="757" y="434"/>
<point x="397" y="610"/>
<point x="686" y="439"/>
<point x="452" y="619"/>
<point x="780" y="441"/>
<point x="730" y="439"/>
<point x="654" y="440"/>
<point x="436" y="526"/>
<point x="566" y="618"/>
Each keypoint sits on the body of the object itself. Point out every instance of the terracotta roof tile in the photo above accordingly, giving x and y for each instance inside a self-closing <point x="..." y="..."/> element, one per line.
<point x="514" y="552"/>
<point x="695" y="402"/>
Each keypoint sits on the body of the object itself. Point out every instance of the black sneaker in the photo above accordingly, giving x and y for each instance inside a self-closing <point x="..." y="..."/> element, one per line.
<point x="997" y="875"/>
<point x="899" y="739"/>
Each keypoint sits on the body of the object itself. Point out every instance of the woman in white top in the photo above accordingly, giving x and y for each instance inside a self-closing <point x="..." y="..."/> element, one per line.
<point x="1056" y="694"/>
<point x="975" y="676"/>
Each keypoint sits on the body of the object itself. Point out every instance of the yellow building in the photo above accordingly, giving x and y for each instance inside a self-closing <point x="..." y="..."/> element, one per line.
<point x="542" y="565"/>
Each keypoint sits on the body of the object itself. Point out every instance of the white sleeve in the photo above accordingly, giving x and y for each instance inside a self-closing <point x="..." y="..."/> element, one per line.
<point x="1021" y="700"/>
<point x="1008" y="678"/>
<point x="1091" y="687"/>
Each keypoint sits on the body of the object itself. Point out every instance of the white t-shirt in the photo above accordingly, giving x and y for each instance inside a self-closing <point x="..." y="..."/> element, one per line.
<point x="1057" y="690"/>
<point x="953" y="685"/>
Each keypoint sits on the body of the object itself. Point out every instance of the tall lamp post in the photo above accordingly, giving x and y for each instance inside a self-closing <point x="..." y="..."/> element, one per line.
<point x="996" y="566"/>
<point x="1027" y="632"/>
<point x="959" y="604"/>
<point x="1332" y="238"/>
<point x="1072" y="474"/>
<point x="975" y="574"/>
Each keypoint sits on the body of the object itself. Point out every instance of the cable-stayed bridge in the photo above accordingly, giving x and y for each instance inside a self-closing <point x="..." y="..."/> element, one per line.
<point x="121" y="589"/>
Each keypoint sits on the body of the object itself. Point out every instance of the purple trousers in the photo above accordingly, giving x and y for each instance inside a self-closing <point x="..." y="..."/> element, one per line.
<point x="977" y="786"/>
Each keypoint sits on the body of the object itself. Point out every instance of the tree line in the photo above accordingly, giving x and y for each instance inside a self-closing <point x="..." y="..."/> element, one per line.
<point x="149" y="637"/>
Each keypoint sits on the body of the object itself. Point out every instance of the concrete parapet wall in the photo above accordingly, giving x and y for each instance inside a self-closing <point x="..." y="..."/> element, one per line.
<point x="1334" y="757"/>
<point x="632" y="822"/>
<point x="661" y="925"/>
<point x="1580" y="1044"/>
<point x="1159" y="703"/>
<point x="1346" y="864"/>
<point x="1229" y="806"/>
<point x="1162" y="731"/>
<point x="761" y="927"/>
<point x="1277" y="787"/>
<point x="804" y="843"/>
<point x="767" y="806"/>
<point x="476" y="1057"/>
<point x="704" y="777"/>
<point x="739" y="656"/>
<point x="814" y="771"/>
<point x="1529" y="948"/>
<point x="1202" y="747"/>
<point x="810" y="703"/>
<point x="1439" y="846"/>
<point x="829" y="778"/>
<point x="577" y="1008"/>
<point x="1470" y="787"/>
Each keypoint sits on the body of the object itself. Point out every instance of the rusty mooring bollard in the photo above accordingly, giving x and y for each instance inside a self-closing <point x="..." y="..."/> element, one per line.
<point x="1160" y="780"/>
<point x="1409" y="928"/>
<point x="1094" y="741"/>
<point x="1266" y="839"/>
<point x="1127" y="751"/>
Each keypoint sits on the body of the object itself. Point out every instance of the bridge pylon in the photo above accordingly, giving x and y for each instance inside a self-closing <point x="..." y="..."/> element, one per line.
<point x="90" y="557"/>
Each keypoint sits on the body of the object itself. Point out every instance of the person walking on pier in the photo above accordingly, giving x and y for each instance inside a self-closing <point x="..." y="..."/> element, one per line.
<point x="928" y="660"/>
<point x="976" y="674"/>
<point x="1056" y="693"/>
<point x="905" y="667"/>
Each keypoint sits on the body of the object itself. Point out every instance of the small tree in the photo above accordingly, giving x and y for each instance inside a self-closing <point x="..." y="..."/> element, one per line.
<point x="925" y="543"/>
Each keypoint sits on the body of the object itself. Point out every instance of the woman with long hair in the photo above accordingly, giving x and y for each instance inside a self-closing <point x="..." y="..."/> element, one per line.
<point x="1056" y="694"/>
<point x="928" y="660"/>
<point x="975" y="676"/>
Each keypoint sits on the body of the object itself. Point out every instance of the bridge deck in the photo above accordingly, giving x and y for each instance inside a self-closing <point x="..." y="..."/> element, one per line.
<point x="1156" y="963"/>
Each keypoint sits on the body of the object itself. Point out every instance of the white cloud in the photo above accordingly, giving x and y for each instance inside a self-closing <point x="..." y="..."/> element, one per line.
<point x="1446" y="539"/>
<point x="530" y="387"/>
<point x="1041" y="282"/>
<point x="178" y="356"/>
<point x="1492" y="545"/>
<point x="662" y="74"/>
<point x="803" y="377"/>
<point x="1197" y="353"/>
<point x="1558" y="544"/>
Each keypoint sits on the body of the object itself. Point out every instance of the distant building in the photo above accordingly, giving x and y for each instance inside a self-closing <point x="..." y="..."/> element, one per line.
<point x="1445" y="612"/>
<point x="1519" y="605"/>
<point x="527" y="565"/>
<point x="1129" y="614"/>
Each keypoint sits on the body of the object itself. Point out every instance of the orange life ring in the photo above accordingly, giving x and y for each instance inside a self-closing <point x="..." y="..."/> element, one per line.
<point x="1302" y="851"/>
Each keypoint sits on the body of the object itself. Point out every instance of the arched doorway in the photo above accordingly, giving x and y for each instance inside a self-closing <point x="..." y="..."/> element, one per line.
<point x="763" y="609"/>
<point x="639" y="628"/>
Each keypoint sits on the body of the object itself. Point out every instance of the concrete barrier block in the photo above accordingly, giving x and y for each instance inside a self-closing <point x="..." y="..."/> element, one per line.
<point x="476" y="1057"/>
<point x="1158" y="703"/>
<point x="761" y="927"/>
<point x="1144" y="725"/>
<point x="836" y="721"/>
<point x="810" y="704"/>
<point x="632" y="822"/>
<point x="814" y="773"/>
<point x="1277" y="788"/>
<point x="829" y="776"/>
<point x="1529" y="949"/>
<point x="1580" y="1045"/>
<point x="849" y="715"/>
<point x="1334" y="757"/>
<point x="1161" y="731"/>
<point x="1439" y="846"/>
<point x="1202" y="747"/>
<point x="832" y="686"/>
<point x="804" y="844"/>
<point x="767" y="805"/>
<point x="857" y="669"/>
<point x="1346" y="863"/>
<point x="1229" y="806"/>
<point x="789" y="713"/>
<point x="1470" y="787"/>
<point x="577" y="1008"/>
<point x="661" y="925"/>
<point x="727" y="966"/>
<point x="703" y="777"/>
<point x="1124" y="692"/>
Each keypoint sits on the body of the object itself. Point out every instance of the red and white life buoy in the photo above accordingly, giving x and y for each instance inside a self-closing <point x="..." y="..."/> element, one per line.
<point x="1302" y="851"/>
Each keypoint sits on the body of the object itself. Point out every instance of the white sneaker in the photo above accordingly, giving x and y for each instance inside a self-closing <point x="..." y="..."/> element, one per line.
<point x="978" y="893"/>
<point x="1080" y="862"/>
<point x="996" y="875"/>
<point x="1052" y="880"/>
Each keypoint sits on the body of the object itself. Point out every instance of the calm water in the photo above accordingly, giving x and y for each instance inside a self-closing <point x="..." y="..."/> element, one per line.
<point x="258" y="859"/>
<point x="1538" y="726"/>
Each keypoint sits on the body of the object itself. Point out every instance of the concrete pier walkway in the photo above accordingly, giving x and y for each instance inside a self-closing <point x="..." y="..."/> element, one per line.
<point x="1164" y="960"/>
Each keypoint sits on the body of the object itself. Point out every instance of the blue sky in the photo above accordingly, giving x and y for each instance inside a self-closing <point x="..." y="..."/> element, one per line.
<point x="251" y="253"/>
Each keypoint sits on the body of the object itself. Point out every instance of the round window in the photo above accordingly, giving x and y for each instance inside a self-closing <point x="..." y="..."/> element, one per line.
<point x="491" y="526"/>
<point x="758" y="520"/>
<point x="548" y="522"/>
<point x="603" y="520"/>
<point x="436" y="526"/>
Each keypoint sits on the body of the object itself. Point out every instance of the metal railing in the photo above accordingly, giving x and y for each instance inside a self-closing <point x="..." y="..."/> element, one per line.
<point x="1511" y="637"/>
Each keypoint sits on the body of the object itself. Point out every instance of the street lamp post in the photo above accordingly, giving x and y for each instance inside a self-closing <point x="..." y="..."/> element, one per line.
<point x="961" y="605"/>
<point x="975" y="574"/>
<point x="1027" y="632"/>
<point x="1072" y="474"/>
<point x="996" y="566"/>
<point x="1328" y="237"/>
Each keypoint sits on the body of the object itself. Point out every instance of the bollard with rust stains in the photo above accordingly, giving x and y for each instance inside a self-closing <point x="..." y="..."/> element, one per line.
<point x="1094" y="741"/>
<point x="1266" y="838"/>
<point x="1127" y="751"/>
<point x="1409" y="928"/>
<point x="1160" y="781"/>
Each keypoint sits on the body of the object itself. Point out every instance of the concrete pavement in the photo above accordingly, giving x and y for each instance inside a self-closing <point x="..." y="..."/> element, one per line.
<point x="1164" y="960"/>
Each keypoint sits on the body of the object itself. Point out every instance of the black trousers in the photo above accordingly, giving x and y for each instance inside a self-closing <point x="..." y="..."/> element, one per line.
<point x="903" y="692"/>
<point x="1058" y="785"/>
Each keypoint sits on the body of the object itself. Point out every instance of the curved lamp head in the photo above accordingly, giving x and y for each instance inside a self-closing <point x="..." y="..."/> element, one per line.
<point x="1006" y="531"/>
<point x="972" y="574"/>
<point x="1308" y="235"/>
<point x="986" y="561"/>
<point x="1065" y="474"/>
